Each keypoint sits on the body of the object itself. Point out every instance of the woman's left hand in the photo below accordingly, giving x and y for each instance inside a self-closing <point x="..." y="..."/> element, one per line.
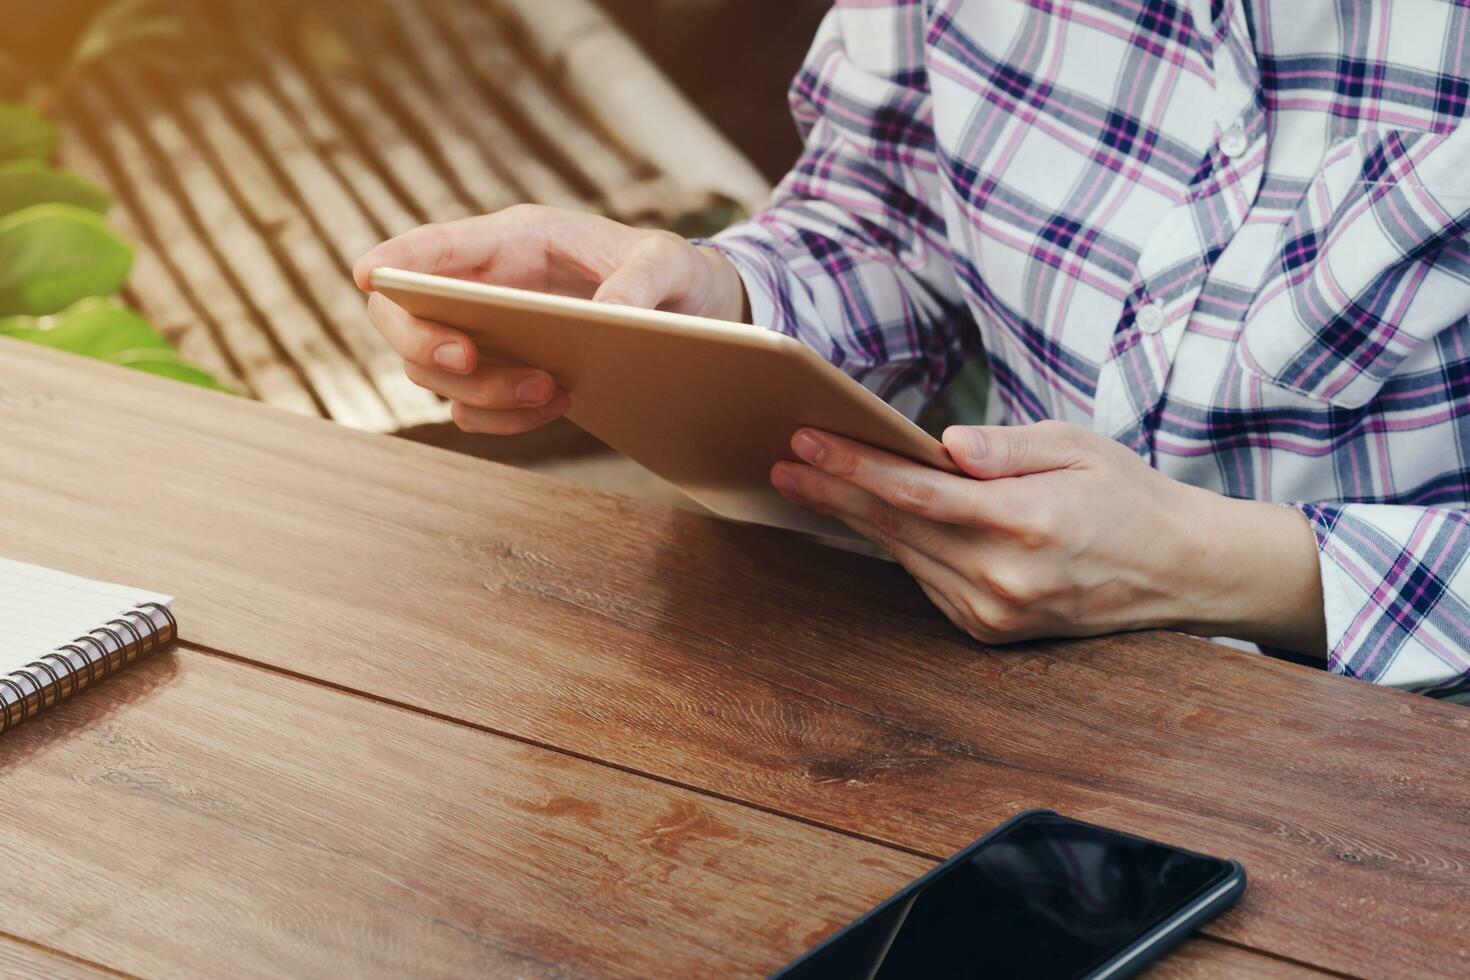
<point x="1055" y="530"/>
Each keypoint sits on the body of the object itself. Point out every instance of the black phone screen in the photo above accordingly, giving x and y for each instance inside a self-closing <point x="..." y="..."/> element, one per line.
<point x="1045" y="897"/>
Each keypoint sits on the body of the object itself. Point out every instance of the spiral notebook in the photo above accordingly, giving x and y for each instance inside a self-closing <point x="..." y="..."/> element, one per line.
<point x="61" y="633"/>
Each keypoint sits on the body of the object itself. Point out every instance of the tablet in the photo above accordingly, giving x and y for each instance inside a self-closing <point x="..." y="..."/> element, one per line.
<point x="708" y="405"/>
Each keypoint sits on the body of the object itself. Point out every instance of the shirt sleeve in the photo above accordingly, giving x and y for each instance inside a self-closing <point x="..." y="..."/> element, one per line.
<point x="1396" y="587"/>
<point x="850" y="255"/>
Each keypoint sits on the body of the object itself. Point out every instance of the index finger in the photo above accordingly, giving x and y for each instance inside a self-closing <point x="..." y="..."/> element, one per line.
<point x="907" y="485"/>
<point x="439" y="249"/>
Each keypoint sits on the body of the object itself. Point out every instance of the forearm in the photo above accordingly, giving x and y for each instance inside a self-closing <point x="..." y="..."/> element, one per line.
<point x="1248" y="570"/>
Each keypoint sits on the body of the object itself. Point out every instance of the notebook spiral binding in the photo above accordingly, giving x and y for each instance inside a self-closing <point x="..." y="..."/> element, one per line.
<point x="74" y="666"/>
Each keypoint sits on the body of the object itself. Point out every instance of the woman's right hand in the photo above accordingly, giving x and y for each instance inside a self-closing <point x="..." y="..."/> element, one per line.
<point x="546" y="249"/>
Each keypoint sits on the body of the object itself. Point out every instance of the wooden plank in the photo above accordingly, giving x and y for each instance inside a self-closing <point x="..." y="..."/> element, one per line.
<point x="626" y="192"/>
<point x="748" y="663"/>
<point x="201" y="817"/>
<point x="266" y="374"/>
<point x="394" y="90"/>
<point x="315" y="190"/>
<point x="151" y="287"/>
<point x="339" y="148"/>
<point x="600" y="67"/>
<point x="383" y="138"/>
<point x="338" y="383"/>
<point x="409" y="30"/>
<point x="235" y="808"/>
<point x="23" y="961"/>
<point x="1201" y="958"/>
<point x="297" y="246"/>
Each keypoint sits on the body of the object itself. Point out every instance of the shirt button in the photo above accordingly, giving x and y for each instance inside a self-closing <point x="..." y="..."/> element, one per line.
<point x="1150" y="319"/>
<point x="1233" y="142"/>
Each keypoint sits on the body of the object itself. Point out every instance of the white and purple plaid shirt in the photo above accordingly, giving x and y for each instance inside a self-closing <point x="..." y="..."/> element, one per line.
<point x="1231" y="237"/>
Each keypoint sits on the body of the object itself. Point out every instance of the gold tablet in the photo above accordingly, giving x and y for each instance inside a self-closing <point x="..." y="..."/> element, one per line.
<point x="706" y="404"/>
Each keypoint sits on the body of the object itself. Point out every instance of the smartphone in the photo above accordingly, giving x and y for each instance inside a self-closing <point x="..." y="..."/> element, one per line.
<point x="1041" y="896"/>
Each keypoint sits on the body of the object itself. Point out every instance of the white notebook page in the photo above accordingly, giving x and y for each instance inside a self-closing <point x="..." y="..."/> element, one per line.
<point x="41" y="608"/>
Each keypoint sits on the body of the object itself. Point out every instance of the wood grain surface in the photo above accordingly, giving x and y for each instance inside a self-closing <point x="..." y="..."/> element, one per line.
<point x="1203" y="958"/>
<point x="206" y="811"/>
<point x="741" y="663"/>
<point x="23" y="961"/>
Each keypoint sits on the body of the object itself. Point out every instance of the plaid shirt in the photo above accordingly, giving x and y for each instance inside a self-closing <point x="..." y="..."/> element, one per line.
<point x="1232" y="238"/>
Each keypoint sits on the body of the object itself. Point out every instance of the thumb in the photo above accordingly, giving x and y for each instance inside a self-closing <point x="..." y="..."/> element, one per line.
<point x="648" y="277"/>
<point x="989" y="452"/>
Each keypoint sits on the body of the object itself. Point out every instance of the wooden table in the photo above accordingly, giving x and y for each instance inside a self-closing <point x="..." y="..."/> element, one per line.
<point x="435" y="716"/>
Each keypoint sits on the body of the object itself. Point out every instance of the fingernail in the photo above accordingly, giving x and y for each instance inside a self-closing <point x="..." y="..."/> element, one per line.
<point x="535" y="390"/>
<point x="451" y="357"/>
<point x="785" y="484"/>
<point x="972" y="441"/>
<point x="556" y="407"/>
<point x="808" y="446"/>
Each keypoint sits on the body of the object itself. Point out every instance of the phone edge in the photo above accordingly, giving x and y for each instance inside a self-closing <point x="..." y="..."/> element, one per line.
<point x="1166" y="935"/>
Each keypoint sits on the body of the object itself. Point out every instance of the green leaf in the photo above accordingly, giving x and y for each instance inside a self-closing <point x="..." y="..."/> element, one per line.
<point x="27" y="182"/>
<point x="94" y="328"/>
<point x="108" y="331"/>
<point x="24" y="134"/>
<point x="166" y="364"/>
<point x="52" y="255"/>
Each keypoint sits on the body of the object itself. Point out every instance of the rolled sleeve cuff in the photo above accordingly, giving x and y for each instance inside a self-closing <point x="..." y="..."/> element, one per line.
<point x="761" y="273"/>
<point x="1393" y="594"/>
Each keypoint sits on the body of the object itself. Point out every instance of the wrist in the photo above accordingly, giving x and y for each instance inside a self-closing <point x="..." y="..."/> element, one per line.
<point x="1253" y="573"/>
<point x="726" y="297"/>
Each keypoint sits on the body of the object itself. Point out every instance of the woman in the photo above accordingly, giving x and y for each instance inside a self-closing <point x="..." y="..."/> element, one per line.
<point x="1215" y="255"/>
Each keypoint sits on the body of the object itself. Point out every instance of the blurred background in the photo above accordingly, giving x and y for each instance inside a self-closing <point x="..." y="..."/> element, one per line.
<point x="733" y="58"/>
<point x="184" y="185"/>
